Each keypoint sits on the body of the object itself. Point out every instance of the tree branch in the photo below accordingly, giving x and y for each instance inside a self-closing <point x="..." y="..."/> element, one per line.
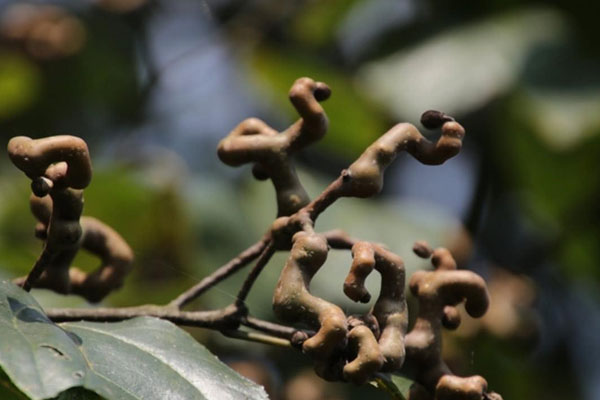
<point x="265" y="256"/>
<point x="257" y="337"/>
<point x="344" y="348"/>
<point x="225" y="318"/>
<point x="274" y="329"/>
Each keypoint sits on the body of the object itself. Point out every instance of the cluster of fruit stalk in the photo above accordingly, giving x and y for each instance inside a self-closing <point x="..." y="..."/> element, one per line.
<point x="352" y="348"/>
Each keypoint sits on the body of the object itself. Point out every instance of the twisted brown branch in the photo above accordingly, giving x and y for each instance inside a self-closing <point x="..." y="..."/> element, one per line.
<point x="253" y="141"/>
<point x="60" y="168"/>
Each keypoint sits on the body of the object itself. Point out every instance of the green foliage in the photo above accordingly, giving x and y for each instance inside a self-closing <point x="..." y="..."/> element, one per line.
<point x="8" y="390"/>
<point x="140" y="358"/>
<point x="556" y="185"/>
<point x="396" y="386"/>
<point x="120" y="198"/>
<point x="19" y="80"/>
<point x="316" y="23"/>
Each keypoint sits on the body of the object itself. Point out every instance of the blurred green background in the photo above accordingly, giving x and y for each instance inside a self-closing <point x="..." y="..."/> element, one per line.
<point x="152" y="86"/>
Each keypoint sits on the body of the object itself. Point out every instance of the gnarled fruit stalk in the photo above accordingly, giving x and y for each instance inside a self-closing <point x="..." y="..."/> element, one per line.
<point x="253" y="141"/>
<point x="438" y="292"/>
<point x="364" y="178"/>
<point x="60" y="168"/>
<point x="293" y="303"/>
<point x="390" y="308"/>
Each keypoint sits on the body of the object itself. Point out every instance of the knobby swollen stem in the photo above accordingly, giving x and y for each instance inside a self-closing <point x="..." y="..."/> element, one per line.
<point x="353" y="348"/>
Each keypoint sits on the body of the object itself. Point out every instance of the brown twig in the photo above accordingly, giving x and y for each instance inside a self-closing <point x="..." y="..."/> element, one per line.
<point x="257" y="337"/>
<point x="272" y="328"/>
<point x="226" y="318"/>
<point x="262" y="261"/>
<point x="223" y="272"/>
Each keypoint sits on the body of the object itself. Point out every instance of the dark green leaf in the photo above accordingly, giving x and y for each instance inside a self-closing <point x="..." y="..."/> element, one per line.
<point x="403" y="384"/>
<point x="462" y="69"/>
<point x="39" y="357"/>
<point x="149" y="358"/>
<point x="8" y="391"/>
<point x="143" y="358"/>
<point x="396" y="386"/>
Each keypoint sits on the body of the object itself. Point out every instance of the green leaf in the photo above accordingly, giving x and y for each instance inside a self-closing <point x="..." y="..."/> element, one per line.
<point x="8" y="391"/>
<point x="462" y="69"/>
<point x="316" y="23"/>
<point x="38" y="356"/>
<point x="142" y="358"/>
<point x="149" y="358"/>
<point x="403" y="384"/>
<point x="396" y="386"/>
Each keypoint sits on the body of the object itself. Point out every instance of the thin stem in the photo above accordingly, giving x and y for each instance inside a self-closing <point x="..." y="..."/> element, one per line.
<point x="42" y="263"/>
<point x="226" y="320"/>
<point x="274" y="329"/>
<point x="258" y="337"/>
<point x="264" y="248"/>
<point x="325" y="199"/>
<point x="264" y="258"/>
<point x="222" y="273"/>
